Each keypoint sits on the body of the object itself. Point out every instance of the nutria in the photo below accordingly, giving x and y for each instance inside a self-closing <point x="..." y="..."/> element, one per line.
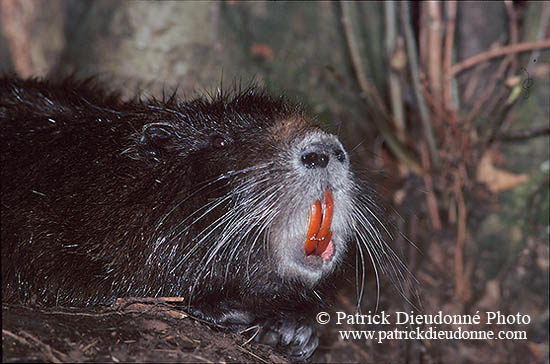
<point x="237" y="201"/>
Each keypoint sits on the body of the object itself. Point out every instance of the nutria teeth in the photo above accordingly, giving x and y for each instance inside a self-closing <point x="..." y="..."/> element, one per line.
<point x="318" y="232"/>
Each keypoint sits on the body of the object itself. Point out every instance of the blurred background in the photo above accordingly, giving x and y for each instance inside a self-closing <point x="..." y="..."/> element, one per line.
<point x="445" y="106"/>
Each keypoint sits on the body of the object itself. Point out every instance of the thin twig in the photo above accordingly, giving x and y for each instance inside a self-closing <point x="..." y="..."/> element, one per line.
<point x="15" y="337"/>
<point x="434" y="105"/>
<point x="489" y="89"/>
<point x="498" y="52"/>
<point x="339" y="77"/>
<point x="431" y="201"/>
<point x="395" y="87"/>
<point x="254" y="355"/>
<point x="415" y="75"/>
<point x="472" y="83"/>
<point x="448" y="54"/>
<point x="126" y="300"/>
<point x="434" y="46"/>
<point x="519" y="135"/>
<point x="503" y="104"/>
<point x="53" y="355"/>
<point x="460" y="282"/>
<point x="513" y="32"/>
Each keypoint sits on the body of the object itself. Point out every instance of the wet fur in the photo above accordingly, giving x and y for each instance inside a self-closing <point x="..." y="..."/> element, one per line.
<point x="201" y="199"/>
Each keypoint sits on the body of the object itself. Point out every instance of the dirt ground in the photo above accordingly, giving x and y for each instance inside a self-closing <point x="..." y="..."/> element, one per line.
<point x="149" y="330"/>
<point x="136" y="331"/>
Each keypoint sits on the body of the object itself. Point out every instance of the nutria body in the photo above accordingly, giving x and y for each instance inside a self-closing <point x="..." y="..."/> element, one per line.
<point x="208" y="199"/>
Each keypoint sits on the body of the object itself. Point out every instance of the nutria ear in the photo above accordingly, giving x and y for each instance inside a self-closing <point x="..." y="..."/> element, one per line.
<point x="155" y="139"/>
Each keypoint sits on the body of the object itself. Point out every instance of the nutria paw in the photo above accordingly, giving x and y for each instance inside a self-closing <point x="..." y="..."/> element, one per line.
<point x="297" y="338"/>
<point x="233" y="318"/>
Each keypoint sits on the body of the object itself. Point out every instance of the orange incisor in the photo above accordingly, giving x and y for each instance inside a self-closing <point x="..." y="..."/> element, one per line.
<point x="318" y="231"/>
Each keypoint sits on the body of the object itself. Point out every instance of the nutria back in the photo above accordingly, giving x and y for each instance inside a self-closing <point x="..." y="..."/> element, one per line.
<point x="238" y="202"/>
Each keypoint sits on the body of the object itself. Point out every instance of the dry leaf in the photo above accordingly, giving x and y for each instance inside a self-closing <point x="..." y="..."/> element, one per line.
<point x="497" y="179"/>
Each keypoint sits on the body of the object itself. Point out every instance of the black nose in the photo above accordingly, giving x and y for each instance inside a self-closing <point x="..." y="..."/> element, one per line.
<point x="319" y="156"/>
<point x="314" y="160"/>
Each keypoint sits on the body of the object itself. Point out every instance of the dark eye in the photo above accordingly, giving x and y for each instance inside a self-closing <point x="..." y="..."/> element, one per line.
<point x="219" y="142"/>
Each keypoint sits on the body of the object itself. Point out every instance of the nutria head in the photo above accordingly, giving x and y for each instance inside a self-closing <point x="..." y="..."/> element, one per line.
<point x="254" y="167"/>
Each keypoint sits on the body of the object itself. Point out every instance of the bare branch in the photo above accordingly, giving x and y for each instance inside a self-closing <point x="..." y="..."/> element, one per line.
<point x="434" y="47"/>
<point x="449" y="39"/>
<point x="498" y="52"/>
<point x="393" y="52"/>
<point x="519" y="135"/>
<point x="415" y="75"/>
